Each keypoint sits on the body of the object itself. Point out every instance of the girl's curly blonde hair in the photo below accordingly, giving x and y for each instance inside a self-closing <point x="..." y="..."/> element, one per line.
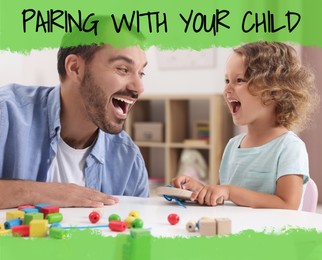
<point x="274" y="73"/>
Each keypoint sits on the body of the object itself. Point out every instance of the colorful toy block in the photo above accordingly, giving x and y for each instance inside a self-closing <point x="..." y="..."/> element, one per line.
<point x="14" y="214"/>
<point x="41" y="205"/>
<point x="12" y="223"/>
<point x="26" y="207"/>
<point x="207" y="227"/>
<point x="223" y="226"/>
<point x="29" y="210"/>
<point x="20" y="231"/>
<point x="58" y="233"/>
<point x="2" y="226"/>
<point x="48" y="210"/>
<point x="54" y="217"/>
<point x="5" y="232"/>
<point x="117" y="225"/>
<point x="38" y="228"/>
<point x="32" y="216"/>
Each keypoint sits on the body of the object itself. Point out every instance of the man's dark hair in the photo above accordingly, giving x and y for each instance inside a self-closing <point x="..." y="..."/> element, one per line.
<point x="86" y="52"/>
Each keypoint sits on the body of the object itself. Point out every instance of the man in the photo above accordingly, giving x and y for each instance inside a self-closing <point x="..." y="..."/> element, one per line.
<point x="65" y="145"/>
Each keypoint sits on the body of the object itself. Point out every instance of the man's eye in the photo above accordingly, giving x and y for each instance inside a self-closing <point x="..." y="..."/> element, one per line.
<point x="123" y="70"/>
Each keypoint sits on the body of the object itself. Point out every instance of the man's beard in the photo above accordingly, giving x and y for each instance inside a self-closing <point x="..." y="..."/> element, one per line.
<point x="95" y="103"/>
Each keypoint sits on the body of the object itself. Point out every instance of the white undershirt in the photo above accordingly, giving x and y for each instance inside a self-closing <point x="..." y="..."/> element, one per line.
<point x="68" y="165"/>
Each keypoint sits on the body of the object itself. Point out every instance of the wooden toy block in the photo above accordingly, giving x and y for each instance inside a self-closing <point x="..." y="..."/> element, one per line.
<point x="170" y="191"/>
<point x="38" y="228"/>
<point x="207" y="227"/>
<point x="20" y="231"/>
<point x="32" y="216"/>
<point x="14" y="214"/>
<point x="191" y="226"/>
<point x="223" y="226"/>
<point x="48" y="210"/>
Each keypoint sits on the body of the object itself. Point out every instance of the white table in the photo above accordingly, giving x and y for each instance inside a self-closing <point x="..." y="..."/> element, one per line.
<point x="155" y="210"/>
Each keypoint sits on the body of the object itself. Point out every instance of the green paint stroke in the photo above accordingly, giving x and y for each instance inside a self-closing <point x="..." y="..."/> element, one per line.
<point x="168" y="24"/>
<point x="86" y="244"/>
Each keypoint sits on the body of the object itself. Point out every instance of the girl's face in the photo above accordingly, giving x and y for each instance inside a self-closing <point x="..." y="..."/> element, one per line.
<point x="246" y="109"/>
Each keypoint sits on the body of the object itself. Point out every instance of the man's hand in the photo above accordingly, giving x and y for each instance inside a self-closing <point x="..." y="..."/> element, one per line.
<point x="14" y="193"/>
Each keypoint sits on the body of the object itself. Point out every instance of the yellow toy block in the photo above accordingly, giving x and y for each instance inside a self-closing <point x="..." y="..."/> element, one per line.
<point x="1" y="226"/>
<point x="5" y="232"/>
<point x="38" y="228"/>
<point x="14" y="214"/>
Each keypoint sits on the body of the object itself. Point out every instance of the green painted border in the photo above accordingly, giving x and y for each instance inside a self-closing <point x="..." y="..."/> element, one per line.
<point x="291" y="244"/>
<point x="86" y="244"/>
<point x="231" y="13"/>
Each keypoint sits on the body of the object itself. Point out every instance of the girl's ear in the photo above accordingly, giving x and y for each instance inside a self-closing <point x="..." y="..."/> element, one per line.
<point x="74" y="66"/>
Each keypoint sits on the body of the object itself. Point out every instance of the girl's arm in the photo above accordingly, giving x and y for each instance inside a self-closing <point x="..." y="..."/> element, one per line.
<point x="288" y="194"/>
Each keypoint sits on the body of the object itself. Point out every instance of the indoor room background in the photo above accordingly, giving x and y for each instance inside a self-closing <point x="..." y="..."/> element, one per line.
<point x="181" y="72"/>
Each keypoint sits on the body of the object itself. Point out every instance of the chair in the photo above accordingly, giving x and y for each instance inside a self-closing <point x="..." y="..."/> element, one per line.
<point x="310" y="198"/>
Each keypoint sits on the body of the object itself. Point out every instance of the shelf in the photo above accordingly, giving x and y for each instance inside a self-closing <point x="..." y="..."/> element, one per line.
<point x="184" y="119"/>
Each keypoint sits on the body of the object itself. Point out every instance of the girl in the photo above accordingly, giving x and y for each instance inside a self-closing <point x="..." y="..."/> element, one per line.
<point x="268" y="91"/>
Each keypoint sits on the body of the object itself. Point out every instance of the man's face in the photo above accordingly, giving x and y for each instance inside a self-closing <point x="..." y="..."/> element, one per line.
<point x="111" y="85"/>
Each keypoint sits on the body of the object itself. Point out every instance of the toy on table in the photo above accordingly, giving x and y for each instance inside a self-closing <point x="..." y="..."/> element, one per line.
<point x="210" y="226"/>
<point x="94" y="217"/>
<point x="25" y="223"/>
<point x="170" y="193"/>
<point x="173" y="219"/>
<point x="179" y="195"/>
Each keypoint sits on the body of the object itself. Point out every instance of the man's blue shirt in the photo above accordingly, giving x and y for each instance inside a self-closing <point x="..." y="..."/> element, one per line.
<point x="29" y="133"/>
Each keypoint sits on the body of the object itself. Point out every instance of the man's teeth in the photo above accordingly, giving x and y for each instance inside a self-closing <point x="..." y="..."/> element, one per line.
<point x="125" y="100"/>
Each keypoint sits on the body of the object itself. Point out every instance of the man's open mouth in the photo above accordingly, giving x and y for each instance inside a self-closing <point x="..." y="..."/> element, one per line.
<point x="122" y="104"/>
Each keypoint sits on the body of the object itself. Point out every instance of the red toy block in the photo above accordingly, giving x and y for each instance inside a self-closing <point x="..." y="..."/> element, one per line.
<point x="20" y="231"/>
<point x="26" y="207"/>
<point x="48" y="210"/>
<point x="117" y="225"/>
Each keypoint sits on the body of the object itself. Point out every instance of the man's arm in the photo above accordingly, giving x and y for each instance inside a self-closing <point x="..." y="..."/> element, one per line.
<point x="14" y="193"/>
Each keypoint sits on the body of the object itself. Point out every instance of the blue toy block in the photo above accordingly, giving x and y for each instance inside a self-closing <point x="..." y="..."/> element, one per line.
<point x="29" y="210"/>
<point x="12" y="223"/>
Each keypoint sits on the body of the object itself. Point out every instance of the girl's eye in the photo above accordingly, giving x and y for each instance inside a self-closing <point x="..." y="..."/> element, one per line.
<point x="142" y="74"/>
<point x="226" y="81"/>
<point x="239" y="80"/>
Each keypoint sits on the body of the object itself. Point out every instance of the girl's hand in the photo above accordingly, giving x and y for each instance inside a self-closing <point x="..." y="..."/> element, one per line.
<point x="213" y="196"/>
<point x="188" y="183"/>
